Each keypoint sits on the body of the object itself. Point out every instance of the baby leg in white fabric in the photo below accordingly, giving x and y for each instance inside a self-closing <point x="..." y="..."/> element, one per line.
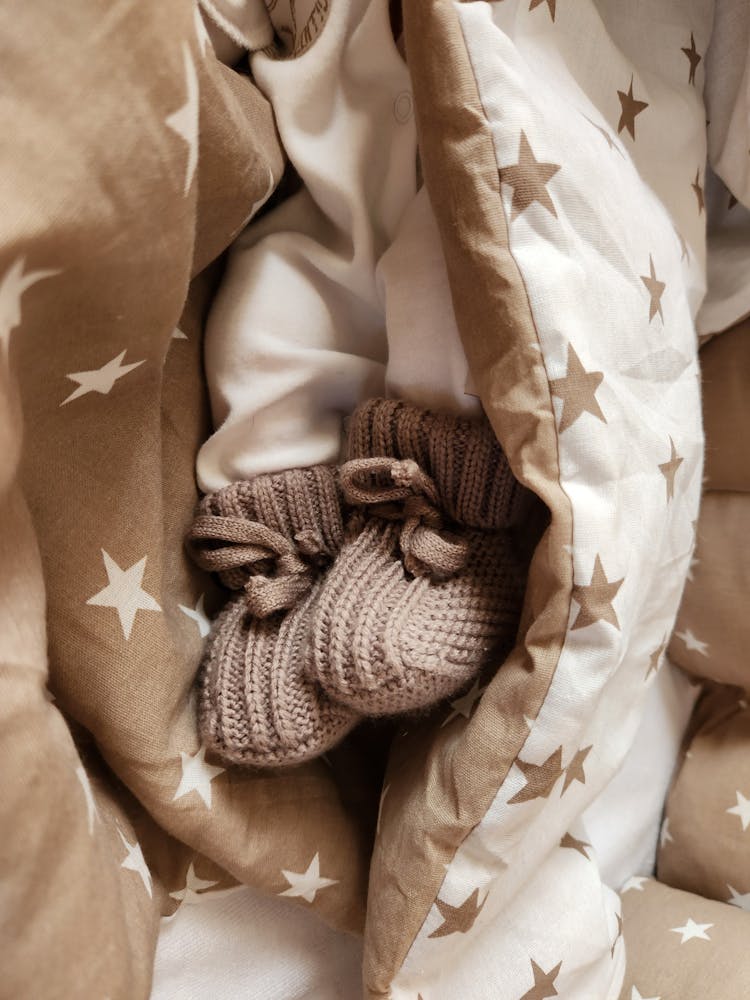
<point x="295" y="339"/>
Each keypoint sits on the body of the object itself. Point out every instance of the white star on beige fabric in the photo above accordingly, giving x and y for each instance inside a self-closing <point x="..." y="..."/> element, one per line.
<point x="124" y="592"/>
<point x="197" y="776"/>
<point x="308" y="883"/>
<point x="14" y="283"/>
<point x="184" y="121"/>
<point x="738" y="898"/>
<point x="692" y="930"/>
<point x="198" y="615"/>
<point x="200" y="30"/>
<point x="665" y="837"/>
<point x="692" y="642"/>
<point x="91" y="811"/>
<point x="135" y="862"/>
<point x="193" y="886"/>
<point x="465" y="704"/>
<point x="634" y="882"/>
<point x="100" y="379"/>
<point x="742" y="809"/>
<point x="177" y="334"/>
<point x="635" y="994"/>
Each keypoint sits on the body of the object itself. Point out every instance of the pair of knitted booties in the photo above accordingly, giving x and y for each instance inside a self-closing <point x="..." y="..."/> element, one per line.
<point x="373" y="589"/>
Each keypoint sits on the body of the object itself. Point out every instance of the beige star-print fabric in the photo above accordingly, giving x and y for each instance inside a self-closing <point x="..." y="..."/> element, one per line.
<point x="688" y="947"/>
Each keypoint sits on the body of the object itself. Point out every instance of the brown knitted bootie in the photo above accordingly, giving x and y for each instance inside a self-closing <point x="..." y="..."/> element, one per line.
<point x="271" y="539"/>
<point x="428" y="583"/>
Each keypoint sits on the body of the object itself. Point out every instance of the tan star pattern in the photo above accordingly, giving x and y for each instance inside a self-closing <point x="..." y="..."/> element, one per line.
<point x="693" y="58"/>
<point x="574" y="771"/>
<point x="458" y="919"/>
<point x="655" y="290"/>
<point x="698" y="189"/>
<point x="669" y="469"/>
<point x="540" y="778"/>
<point x="577" y="390"/>
<point x="544" y="983"/>
<point x="595" y="599"/>
<point x="550" y="6"/>
<point x="576" y="845"/>
<point x="630" y="109"/>
<point x="528" y="178"/>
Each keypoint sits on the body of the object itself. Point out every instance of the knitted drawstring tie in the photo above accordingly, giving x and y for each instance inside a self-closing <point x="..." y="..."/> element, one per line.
<point x="288" y="571"/>
<point x="399" y="490"/>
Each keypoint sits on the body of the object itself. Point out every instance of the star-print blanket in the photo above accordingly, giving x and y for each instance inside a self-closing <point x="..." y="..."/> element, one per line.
<point x="573" y="153"/>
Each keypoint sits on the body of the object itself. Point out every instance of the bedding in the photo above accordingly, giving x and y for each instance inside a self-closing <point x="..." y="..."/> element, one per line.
<point x="572" y="824"/>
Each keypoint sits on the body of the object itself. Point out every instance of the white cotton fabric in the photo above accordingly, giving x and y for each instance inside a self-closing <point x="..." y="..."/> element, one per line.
<point x="622" y="823"/>
<point x="296" y="337"/>
<point x="238" y="943"/>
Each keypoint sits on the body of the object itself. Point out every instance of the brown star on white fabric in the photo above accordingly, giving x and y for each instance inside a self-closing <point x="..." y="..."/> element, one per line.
<point x="574" y="771"/>
<point x="669" y="469"/>
<point x="693" y="58"/>
<point x="575" y="845"/>
<point x="540" y="778"/>
<point x="577" y="390"/>
<point x="630" y="109"/>
<point x="528" y="178"/>
<point x="550" y="6"/>
<point x="458" y="919"/>
<point x="595" y="599"/>
<point x="544" y="983"/>
<point x="696" y="186"/>
<point x="655" y="290"/>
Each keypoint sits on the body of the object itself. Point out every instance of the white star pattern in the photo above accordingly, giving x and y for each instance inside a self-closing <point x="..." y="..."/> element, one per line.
<point x="185" y="120"/>
<point x="464" y="705"/>
<point x="12" y="287"/>
<point x="692" y="930"/>
<point x="308" y="883"/>
<point x="135" y="862"/>
<point x="91" y="810"/>
<point x="665" y="837"/>
<point x="635" y="994"/>
<point x="634" y="882"/>
<point x="177" y="334"/>
<point x="198" y="615"/>
<point x="742" y="809"/>
<point x="692" y="643"/>
<point x="193" y="886"/>
<point x="124" y="592"/>
<point x="100" y="379"/>
<point x="197" y="776"/>
<point x="200" y="30"/>
<point x="739" y="899"/>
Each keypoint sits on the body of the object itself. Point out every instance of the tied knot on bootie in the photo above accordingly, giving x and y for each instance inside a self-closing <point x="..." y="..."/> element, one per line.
<point x="281" y="571"/>
<point x="399" y="490"/>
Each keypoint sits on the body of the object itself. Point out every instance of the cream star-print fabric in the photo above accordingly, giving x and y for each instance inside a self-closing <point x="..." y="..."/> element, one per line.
<point x="607" y="298"/>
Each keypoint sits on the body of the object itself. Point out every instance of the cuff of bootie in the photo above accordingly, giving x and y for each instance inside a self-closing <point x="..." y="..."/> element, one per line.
<point x="462" y="456"/>
<point x="244" y="529"/>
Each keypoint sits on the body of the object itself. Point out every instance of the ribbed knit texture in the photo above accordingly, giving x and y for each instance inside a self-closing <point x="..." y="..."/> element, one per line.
<point x="428" y="584"/>
<point x="258" y="706"/>
<point x="270" y="539"/>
